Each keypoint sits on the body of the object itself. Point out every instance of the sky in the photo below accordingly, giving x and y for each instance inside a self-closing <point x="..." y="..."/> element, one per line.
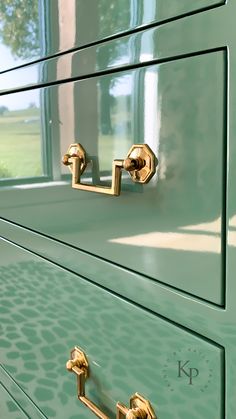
<point x="22" y="76"/>
<point x="16" y="100"/>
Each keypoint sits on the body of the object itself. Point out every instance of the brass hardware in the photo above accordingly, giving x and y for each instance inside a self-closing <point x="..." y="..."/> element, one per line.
<point x="79" y="365"/>
<point x="140" y="163"/>
<point x="140" y="408"/>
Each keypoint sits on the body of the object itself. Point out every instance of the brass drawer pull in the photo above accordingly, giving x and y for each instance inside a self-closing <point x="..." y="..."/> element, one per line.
<point x="140" y="163"/>
<point x="139" y="407"/>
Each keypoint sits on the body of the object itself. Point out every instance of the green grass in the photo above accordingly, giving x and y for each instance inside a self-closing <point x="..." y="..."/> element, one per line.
<point x="20" y="144"/>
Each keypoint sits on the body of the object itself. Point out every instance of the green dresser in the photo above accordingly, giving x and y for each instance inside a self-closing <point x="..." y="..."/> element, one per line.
<point x="46" y="310"/>
<point x="143" y="282"/>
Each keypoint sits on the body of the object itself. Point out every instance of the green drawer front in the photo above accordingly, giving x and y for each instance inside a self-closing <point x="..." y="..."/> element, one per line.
<point x="43" y="28"/>
<point x="46" y="310"/>
<point x="14" y="403"/>
<point x="8" y="407"/>
<point x="99" y="20"/>
<point x="170" y="229"/>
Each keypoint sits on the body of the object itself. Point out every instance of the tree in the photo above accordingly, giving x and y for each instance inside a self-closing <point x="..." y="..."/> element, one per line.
<point x="19" y="27"/>
<point x="32" y="105"/>
<point x="3" y="109"/>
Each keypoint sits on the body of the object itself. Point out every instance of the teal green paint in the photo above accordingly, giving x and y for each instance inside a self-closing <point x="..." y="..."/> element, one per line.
<point x="128" y="348"/>
<point x="229" y="328"/>
<point x="158" y="43"/>
<point x="91" y="22"/>
<point x="134" y="230"/>
<point x="14" y="402"/>
<point x="9" y="408"/>
<point x="128" y="284"/>
<point x="199" y="32"/>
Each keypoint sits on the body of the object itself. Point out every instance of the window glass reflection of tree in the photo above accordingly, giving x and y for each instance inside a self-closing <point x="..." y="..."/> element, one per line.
<point x="19" y="27"/>
<point x="21" y="113"/>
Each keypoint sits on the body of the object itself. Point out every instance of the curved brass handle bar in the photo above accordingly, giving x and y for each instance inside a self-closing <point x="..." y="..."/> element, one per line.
<point x="140" y="408"/>
<point x="140" y="163"/>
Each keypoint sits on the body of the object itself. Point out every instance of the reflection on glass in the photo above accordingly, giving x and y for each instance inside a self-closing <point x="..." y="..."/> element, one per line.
<point x="190" y="241"/>
<point x="66" y="19"/>
<point x="19" y="32"/>
<point x="98" y="114"/>
<point x="114" y="137"/>
<point x="232" y="231"/>
<point x="20" y="77"/>
<point x="20" y="135"/>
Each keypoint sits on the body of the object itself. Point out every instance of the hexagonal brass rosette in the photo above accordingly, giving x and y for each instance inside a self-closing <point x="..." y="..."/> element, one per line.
<point x="75" y="150"/>
<point x="78" y="359"/>
<point x="139" y="403"/>
<point x="148" y="162"/>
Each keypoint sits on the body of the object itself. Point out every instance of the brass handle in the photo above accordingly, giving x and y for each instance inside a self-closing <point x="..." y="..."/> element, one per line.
<point x="140" y="163"/>
<point x="140" y="408"/>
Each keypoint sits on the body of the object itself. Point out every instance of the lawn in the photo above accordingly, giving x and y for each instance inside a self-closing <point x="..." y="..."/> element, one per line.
<point x="20" y="144"/>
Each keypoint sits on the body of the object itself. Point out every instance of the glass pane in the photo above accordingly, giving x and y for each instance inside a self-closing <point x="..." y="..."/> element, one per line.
<point x="20" y="135"/>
